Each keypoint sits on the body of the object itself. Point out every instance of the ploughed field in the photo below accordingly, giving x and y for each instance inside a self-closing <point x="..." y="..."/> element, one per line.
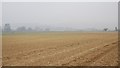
<point x="60" y="49"/>
<point x="0" y="50"/>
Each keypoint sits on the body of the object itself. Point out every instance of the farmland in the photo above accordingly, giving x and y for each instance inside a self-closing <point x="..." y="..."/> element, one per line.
<point x="0" y="50"/>
<point x="60" y="49"/>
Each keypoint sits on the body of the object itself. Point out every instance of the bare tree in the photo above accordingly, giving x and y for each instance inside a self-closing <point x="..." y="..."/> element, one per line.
<point x="21" y="29"/>
<point x="47" y="29"/>
<point x="29" y="29"/>
<point x="116" y="29"/>
<point x="7" y="28"/>
<point x="105" y="29"/>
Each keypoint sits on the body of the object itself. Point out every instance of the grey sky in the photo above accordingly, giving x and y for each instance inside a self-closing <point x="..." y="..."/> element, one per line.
<point x="80" y="15"/>
<point x="60" y="0"/>
<point x="0" y="13"/>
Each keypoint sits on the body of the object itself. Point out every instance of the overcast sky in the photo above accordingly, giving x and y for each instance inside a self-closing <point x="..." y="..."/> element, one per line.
<point x="79" y="15"/>
<point x="60" y="0"/>
<point x="0" y="13"/>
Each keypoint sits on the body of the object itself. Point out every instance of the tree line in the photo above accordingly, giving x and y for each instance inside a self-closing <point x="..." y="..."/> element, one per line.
<point x="7" y="28"/>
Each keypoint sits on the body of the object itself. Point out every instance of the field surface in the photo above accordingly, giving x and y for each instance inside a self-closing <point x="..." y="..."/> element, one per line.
<point x="61" y="49"/>
<point x="0" y="50"/>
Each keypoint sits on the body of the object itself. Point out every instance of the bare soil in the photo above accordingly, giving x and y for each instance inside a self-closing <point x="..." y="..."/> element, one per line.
<point x="61" y="49"/>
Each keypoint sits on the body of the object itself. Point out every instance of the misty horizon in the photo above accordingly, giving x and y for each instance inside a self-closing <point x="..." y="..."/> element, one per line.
<point x="59" y="14"/>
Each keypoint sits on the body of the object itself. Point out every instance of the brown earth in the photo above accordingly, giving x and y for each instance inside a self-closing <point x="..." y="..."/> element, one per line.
<point x="0" y="51"/>
<point x="61" y="49"/>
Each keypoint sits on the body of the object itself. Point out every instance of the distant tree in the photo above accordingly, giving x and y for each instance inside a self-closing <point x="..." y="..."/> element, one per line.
<point x="7" y="28"/>
<point x="38" y="29"/>
<point x="21" y="29"/>
<point x="105" y="29"/>
<point x="29" y="29"/>
<point x="47" y="29"/>
<point x="116" y="29"/>
<point x="0" y="28"/>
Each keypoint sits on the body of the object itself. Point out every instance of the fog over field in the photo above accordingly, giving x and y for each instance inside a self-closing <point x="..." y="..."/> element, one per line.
<point x="61" y="15"/>
<point x="50" y="34"/>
